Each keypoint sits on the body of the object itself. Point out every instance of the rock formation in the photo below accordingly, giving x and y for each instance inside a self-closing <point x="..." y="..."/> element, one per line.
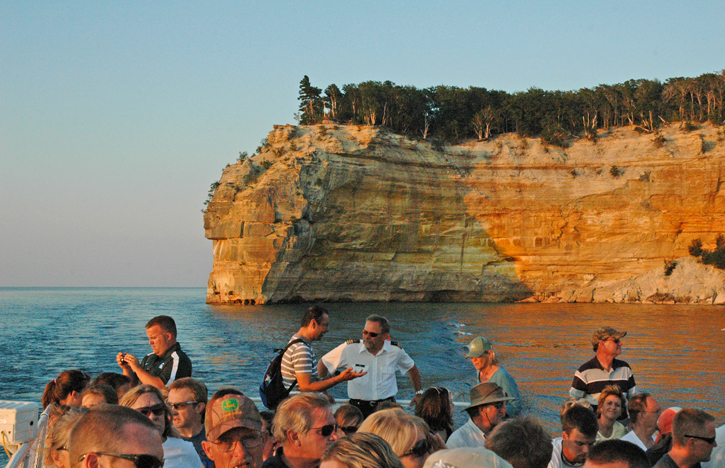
<point x="354" y="213"/>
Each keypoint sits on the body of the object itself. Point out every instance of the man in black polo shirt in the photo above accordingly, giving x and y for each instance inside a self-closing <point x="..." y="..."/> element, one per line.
<point x="165" y="364"/>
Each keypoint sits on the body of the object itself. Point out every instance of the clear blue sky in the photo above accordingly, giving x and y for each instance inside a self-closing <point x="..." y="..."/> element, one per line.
<point x="116" y="116"/>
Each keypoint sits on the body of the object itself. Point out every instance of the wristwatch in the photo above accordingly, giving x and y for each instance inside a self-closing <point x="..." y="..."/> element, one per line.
<point x="420" y="392"/>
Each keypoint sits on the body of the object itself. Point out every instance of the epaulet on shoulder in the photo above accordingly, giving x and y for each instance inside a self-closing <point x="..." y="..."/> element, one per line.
<point x="395" y="343"/>
<point x="352" y="341"/>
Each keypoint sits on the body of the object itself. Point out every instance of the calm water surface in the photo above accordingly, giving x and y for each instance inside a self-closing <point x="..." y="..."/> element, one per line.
<point x="676" y="351"/>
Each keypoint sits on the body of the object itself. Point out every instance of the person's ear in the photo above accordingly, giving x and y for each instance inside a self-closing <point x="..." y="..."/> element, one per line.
<point x="206" y="445"/>
<point x="91" y="460"/>
<point x="199" y="407"/>
<point x="293" y="437"/>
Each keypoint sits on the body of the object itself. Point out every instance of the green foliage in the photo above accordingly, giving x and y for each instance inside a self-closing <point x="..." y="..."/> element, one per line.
<point x="266" y="164"/>
<point x="242" y="157"/>
<point x="554" y="135"/>
<point x="616" y="172"/>
<point x="210" y="195"/>
<point x="714" y="257"/>
<point x="659" y="141"/>
<point x="688" y="126"/>
<point x="670" y="266"/>
<point x="453" y="114"/>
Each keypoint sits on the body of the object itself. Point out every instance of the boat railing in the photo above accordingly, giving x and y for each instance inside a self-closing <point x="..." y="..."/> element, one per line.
<point x="31" y="454"/>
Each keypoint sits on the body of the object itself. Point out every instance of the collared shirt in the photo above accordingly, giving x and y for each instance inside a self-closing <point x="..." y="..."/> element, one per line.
<point x="558" y="460"/>
<point x="468" y="435"/>
<point x="592" y="377"/>
<point x="173" y="364"/>
<point x="379" y="382"/>
<point x="632" y="437"/>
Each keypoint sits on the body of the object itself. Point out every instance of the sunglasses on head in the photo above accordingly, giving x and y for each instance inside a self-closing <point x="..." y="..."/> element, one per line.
<point x="141" y="461"/>
<point x="370" y="334"/>
<point x="157" y="410"/>
<point x="326" y="431"/>
<point x="420" y="449"/>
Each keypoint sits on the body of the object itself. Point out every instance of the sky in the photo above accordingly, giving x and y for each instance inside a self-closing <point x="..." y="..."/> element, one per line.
<point x="115" y="117"/>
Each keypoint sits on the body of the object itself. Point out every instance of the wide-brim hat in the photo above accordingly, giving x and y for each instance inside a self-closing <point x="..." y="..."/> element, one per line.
<point x="479" y="346"/>
<point x="487" y="393"/>
<point x="604" y="333"/>
<point x="466" y="457"/>
<point x="228" y="412"/>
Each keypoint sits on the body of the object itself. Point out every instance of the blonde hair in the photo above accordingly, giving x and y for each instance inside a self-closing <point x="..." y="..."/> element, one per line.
<point x="297" y="414"/>
<point x="610" y="390"/>
<point x="130" y="397"/>
<point x="59" y="433"/>
<point x="362" y="450"/>
<point x="398" y="428"/>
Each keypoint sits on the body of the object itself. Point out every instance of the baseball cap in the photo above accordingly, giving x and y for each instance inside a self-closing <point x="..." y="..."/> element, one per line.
<point x="466" y="457"/>
<point x="228" y="412"/>
<point x="604" y="333"/>
<point x="479" y="346"/>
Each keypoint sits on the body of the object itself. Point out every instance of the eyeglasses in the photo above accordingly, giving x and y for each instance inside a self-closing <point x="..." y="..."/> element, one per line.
<point x="370" y="334"/>
<point x="327" y="430"/>
<point x="348" y="429"/>
<point x="141" y="461"/>
<point x="420" y="449"/>
<point x="176" y="406"/>
<point x="157" y="410"/>
<point x="709" y="440"/>
<point x="248" y="440"/>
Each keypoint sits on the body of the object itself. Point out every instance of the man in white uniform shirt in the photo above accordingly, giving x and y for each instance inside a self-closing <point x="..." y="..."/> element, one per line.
<point x="379" y="357"/>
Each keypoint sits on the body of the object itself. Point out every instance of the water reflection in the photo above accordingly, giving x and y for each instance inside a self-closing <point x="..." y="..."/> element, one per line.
<point x="675" y="351"/>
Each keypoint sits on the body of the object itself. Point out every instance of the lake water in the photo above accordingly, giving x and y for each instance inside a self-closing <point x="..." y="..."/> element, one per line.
<point x="676" y="352"/>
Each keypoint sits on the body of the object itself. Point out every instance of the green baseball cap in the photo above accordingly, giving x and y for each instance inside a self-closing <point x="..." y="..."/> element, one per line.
<point x="479" y="346"/>
<point x="228" y="412"/>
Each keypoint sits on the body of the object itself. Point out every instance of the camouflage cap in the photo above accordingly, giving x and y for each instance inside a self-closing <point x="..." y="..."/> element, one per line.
<point x="604" y="333"/>
<point x="228" y="412"/>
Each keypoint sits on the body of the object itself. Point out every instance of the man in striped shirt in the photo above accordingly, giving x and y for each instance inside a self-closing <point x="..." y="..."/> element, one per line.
<point x="604" y="369"/>
<point x="299" y="363"/>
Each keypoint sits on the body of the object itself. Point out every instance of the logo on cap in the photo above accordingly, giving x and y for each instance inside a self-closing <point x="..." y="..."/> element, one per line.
<point x="230" y="405"/>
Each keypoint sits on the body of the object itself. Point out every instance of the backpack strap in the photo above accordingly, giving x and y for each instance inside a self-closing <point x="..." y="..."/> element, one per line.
<point x="284" y="350"/>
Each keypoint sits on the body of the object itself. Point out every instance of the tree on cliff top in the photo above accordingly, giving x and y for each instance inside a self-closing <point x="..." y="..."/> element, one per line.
<point x="310" y="102"/>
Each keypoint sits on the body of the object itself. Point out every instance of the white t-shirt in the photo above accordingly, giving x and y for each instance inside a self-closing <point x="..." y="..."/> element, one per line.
<point x="179" y="453"/>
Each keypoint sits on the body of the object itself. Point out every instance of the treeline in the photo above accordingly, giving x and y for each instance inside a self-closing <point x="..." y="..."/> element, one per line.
<point x="453" y="113"/>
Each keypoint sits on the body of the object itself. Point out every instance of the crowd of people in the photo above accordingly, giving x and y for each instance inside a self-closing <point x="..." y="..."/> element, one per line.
<point x="154" y="414"/>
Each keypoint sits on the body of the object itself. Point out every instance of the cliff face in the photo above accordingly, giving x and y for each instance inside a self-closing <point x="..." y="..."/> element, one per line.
<point x="330" y="213"/>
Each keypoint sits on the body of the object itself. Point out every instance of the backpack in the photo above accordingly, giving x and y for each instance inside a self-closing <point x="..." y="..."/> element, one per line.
<point x="272" y="389"/>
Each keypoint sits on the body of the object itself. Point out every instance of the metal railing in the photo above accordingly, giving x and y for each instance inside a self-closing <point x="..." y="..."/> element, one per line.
<point x="31" y="453"/>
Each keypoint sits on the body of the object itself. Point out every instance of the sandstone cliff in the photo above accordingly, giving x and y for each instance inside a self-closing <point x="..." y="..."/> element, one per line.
<point x="333" y="213"/>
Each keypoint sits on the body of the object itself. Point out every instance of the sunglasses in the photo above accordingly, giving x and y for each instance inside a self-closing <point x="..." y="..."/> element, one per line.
<point x="157" y="410"/>
<point x="420" y="449"/>
<point x="615" y="340"/>
<point x="248" y="440"/>
<point x="709" y="440"/>
<point x="326" y="431"/>
<point x="141" y="461"/>
<point x="370" y="334"/>
<point x="348" y="429"/>
<point x="176" y="406"/>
